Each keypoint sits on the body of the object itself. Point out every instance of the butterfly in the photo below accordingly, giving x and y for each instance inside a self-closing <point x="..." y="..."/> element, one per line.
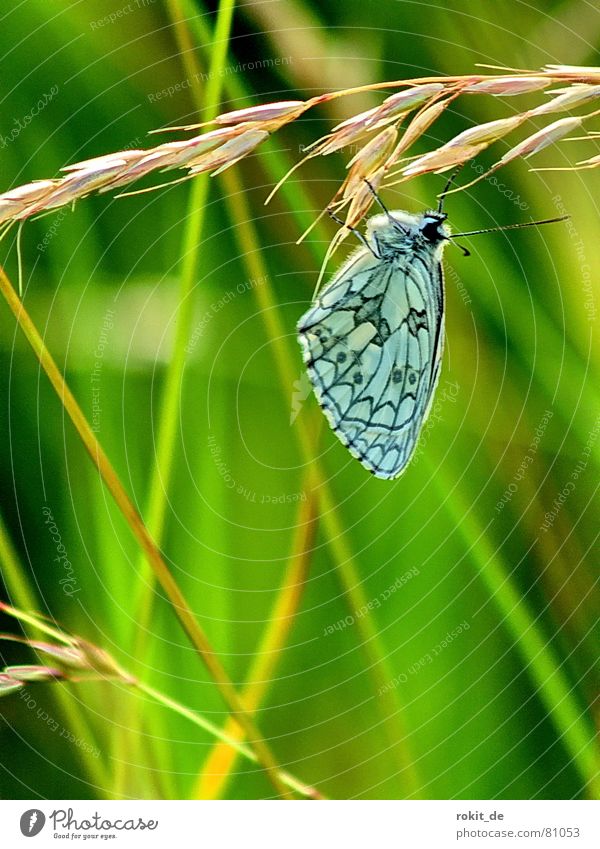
<point x="373" y="339"/>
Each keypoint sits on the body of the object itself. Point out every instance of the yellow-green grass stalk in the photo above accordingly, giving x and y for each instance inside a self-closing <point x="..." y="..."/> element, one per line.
<point x="230" y="740"/>
<point x="539" y="659"/>
<point x="346" y="567"/>
<point x="250" y="250"/>
<point x="22" y="595"/>
<point x="90" y="662"/>
<point x="216" y="771"/>
<point x="349" y="574"/>
<point x="192" y="236"/>
<point x="162" y="468"/>
<point x="161" y="571"/>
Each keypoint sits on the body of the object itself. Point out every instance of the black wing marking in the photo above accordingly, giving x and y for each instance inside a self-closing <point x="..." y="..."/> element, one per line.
<point x="372" y="343"/>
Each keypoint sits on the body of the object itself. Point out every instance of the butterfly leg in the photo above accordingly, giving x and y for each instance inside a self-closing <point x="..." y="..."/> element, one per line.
<point x="354" y="230"/>
<point x="380" y="202"/>
<point x="377" y="198"/>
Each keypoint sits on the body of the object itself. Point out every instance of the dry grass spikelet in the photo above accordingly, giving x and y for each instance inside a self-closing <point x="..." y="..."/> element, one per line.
<point x="381" y="139"/>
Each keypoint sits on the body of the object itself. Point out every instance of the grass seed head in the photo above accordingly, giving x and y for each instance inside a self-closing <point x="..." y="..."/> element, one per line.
<point x="239" y="132"/>
<point x="544" y="137"/>
<point x="508" y="86"/>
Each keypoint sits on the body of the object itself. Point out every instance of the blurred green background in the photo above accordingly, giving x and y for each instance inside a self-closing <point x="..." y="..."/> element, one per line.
<point x="384" y="705"/>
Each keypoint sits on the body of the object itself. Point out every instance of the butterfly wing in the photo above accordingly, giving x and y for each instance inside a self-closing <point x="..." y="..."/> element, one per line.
<point x="372" y="343"/>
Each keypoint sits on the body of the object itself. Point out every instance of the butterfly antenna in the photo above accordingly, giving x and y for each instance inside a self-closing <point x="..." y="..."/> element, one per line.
<point x="444" y="192"/>
<point x="510" y="227"/>
<point x="465" y="251"/>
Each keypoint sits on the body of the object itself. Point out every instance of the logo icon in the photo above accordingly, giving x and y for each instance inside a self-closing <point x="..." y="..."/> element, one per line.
<point x="32" y="822"/>
<point x="302" y="388"/>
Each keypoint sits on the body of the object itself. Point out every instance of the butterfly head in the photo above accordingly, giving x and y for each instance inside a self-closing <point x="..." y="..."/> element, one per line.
<point x="432" y="227"/>
<point x="401" y="231"/>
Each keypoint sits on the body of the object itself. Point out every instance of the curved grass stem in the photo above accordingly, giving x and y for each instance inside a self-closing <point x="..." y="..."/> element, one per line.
<point x="162" y="469"/>
<point x="219" y="764"/>
<point x="347" y="571"/>
<point x="228" y="739"/>
<point x="539" y="659"/>
<point x="161" y="571"/>
<point x="23" y="595"/>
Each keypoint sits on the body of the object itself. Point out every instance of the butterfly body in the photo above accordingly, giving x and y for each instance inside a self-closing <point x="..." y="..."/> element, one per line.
<point x="372" y="341"/>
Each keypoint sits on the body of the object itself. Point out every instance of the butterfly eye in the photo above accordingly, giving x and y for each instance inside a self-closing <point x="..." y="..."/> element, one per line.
<point x="431" y="229"/>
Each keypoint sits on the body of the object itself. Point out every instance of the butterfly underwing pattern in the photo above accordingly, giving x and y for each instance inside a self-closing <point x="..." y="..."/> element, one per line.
<point x="372" y="340"/>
